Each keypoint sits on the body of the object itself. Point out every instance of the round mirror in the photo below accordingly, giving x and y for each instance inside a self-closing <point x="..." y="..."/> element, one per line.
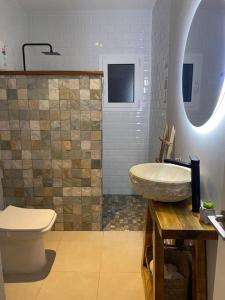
<point x="204" y="61"/>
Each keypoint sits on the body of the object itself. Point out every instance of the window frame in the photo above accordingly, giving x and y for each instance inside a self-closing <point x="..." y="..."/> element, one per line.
<point x="137" y="61"/>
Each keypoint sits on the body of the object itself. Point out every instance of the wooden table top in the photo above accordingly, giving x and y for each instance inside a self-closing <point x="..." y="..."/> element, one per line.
<point x="177" y="221"/>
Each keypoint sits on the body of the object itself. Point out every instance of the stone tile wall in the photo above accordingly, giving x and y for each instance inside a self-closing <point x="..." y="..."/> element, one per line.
<point x="51" y="145"/>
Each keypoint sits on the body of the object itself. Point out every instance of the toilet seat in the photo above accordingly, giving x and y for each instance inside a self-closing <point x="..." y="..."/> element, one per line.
<point x="26" y="219"/>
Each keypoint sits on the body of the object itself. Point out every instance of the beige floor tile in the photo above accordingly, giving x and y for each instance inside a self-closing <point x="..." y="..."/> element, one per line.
<point x="70" y="286"/>
<point x="78" y="257"/>
<point x="82" y="236"/>
<point x="121" y="258"/>
<point x="53" y="236"/>
<point x="22" y="291"/>
<point x="134" y="237"/>
<point x="79" y="251"/>
<point x="122" y="252"/>
<point x="120" y="286"/>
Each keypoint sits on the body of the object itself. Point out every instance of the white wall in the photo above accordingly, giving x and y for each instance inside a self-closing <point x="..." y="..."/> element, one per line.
<point x="209" y="147"/>
<point x="13" y="31"/>
<point x="74" y="34"/>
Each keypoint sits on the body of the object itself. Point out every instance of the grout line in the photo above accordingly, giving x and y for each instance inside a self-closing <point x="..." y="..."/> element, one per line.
<point x="39" y="290"/>
<point x="97" y="294"/>
<point x="101" y="255"/>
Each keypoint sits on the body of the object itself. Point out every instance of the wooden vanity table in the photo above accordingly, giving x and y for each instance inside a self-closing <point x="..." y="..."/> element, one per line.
<point x="175" y="221"/>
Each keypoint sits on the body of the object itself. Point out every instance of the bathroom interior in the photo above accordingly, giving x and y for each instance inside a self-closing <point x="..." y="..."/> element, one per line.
<point x="112" y="149"/>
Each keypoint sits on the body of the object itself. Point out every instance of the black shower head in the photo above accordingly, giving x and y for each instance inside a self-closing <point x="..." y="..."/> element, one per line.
<point x="51" y="53"/>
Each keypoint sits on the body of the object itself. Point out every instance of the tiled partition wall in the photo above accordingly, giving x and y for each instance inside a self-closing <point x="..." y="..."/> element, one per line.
<point x="50" y="131"/>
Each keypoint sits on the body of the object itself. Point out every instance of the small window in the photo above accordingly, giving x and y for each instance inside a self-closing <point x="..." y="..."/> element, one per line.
<point x="123" y="81"/>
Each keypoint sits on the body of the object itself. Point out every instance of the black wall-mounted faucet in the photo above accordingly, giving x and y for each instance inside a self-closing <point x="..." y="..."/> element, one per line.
<point x="194" y="165"/>
<point x="50" y="52"/>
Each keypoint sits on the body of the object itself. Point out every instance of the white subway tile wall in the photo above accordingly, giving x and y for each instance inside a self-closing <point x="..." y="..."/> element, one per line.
<point x="125" y="143"/>
<point x="160" y="65"/>
<point x="81" y="37"/>
<point x="13" y="32"/>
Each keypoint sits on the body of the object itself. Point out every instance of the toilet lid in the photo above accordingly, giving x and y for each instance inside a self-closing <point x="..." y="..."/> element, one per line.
<point x="26" y="219"/>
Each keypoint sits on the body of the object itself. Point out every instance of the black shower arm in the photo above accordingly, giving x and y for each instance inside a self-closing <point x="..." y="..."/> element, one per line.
<point x="33" y="44"/>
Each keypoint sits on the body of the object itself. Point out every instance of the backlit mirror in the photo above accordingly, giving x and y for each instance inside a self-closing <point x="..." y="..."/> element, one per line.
<point x="204" y="61"/>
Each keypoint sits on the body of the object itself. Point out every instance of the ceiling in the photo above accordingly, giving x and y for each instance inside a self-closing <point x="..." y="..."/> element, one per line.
<point x="32" y="5"/>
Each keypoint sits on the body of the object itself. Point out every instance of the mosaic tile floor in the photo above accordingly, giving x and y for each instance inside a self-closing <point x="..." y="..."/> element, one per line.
<point x="123" y="212"/>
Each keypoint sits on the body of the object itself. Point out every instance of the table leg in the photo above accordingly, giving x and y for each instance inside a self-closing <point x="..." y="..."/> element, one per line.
<point x="148" y="233"/>
<point x="147" y="243"/>
<point x="199" y="271"/>
<point x="158" y="257"/>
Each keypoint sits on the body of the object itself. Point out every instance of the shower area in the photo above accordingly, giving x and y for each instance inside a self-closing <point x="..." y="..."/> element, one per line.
<point x="51" y="144"/>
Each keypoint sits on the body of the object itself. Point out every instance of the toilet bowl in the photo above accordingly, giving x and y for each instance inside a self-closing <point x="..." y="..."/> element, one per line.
<point x="21" y="238"/>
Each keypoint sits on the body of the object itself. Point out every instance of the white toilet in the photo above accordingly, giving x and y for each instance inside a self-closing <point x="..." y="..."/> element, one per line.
<point x="21" y="238"/>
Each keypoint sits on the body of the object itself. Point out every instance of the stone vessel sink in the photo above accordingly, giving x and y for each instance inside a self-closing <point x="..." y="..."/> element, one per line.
<point x="161" y="182"/>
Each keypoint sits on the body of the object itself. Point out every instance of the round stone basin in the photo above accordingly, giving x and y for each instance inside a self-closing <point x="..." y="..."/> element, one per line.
<point x="161" y="182"/>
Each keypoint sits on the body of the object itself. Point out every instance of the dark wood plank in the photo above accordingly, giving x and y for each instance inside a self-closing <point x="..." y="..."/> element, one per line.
<point x="199" y="291"/>
<point x="51" y="72"/>
<point x="158" y="262"/>
<point x="148" y="234"/>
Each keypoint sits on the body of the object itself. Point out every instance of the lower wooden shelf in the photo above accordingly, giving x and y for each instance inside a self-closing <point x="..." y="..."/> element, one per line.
<point x="174" y="221"/>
